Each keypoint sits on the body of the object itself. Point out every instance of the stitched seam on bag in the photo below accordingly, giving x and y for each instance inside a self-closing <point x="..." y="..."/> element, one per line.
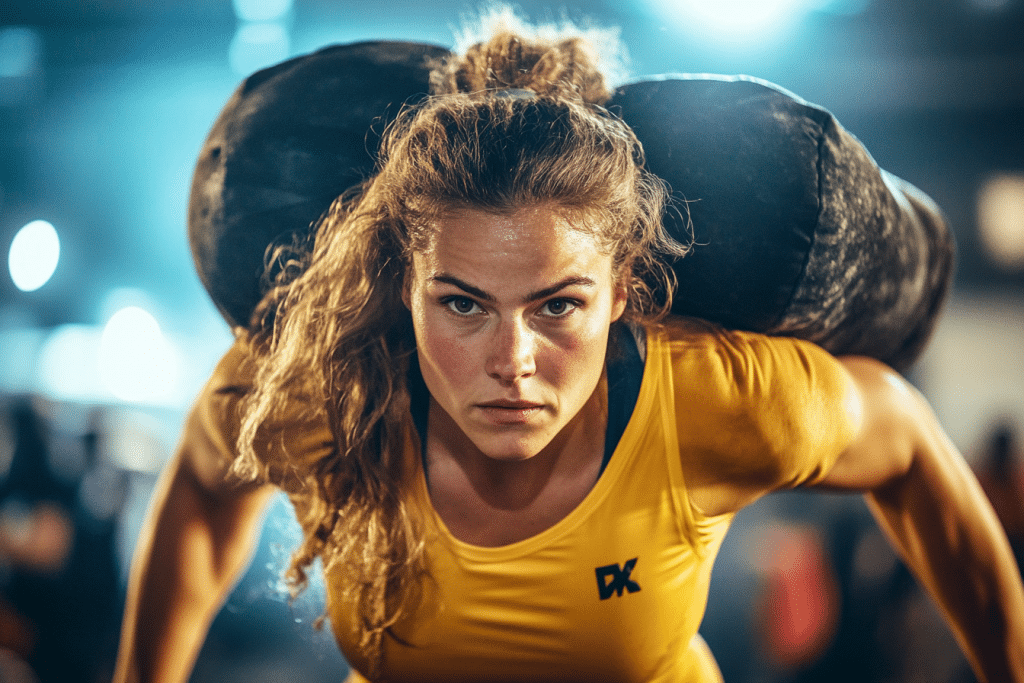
<point x="819" y="182"/>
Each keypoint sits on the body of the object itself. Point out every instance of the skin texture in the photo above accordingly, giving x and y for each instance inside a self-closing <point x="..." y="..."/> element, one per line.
<point x="511" y="315"/>
<point x="925" y="497"/>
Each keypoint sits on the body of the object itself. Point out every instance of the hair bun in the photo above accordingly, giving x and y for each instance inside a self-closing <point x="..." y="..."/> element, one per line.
<point x="558" y="67"/>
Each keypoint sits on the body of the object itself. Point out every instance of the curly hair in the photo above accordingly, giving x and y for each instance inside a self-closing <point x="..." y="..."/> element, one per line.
<point x="334" y="336"/>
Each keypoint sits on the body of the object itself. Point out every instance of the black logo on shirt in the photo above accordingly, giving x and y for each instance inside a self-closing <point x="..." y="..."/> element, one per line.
<point x="612" y="579"/>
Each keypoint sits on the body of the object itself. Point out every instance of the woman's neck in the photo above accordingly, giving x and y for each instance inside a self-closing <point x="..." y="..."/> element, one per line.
<point x="489" y="501"/>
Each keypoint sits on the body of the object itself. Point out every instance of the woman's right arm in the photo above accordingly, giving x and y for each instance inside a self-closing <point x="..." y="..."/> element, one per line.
<point x="198" y="538"/>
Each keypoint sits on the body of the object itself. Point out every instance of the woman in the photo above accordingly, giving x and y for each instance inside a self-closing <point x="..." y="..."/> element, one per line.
<point x="512" y="464"/>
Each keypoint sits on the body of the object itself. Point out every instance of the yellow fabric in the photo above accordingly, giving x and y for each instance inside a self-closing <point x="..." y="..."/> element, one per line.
<point x="292" y="439"/>
<point x="766" y="409"/>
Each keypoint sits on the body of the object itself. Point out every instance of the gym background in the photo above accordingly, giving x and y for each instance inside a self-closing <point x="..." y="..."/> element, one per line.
<point x="106" y="332"/>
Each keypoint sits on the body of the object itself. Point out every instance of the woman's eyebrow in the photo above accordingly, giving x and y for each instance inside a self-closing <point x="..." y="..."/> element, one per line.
<point x="465" y="286"/>
<point x="576" y="280"/>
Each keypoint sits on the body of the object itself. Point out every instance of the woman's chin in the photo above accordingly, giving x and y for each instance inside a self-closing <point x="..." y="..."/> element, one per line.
<point x="509" y="448"/>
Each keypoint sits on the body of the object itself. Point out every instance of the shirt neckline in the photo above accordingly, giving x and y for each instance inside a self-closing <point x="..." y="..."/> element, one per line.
<point x="643" y="405"/>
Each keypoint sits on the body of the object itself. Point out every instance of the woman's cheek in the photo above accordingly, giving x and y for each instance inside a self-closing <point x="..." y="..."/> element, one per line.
<point x="451" y="350"/>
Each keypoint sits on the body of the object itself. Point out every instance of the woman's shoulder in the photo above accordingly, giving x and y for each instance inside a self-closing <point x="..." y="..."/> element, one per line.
<point x="235" y="370"/>
<point x="216" y="406"/>
<point x="701" y="345"/>
<point x="769" y="407"/>
<point x="295" y="431"/>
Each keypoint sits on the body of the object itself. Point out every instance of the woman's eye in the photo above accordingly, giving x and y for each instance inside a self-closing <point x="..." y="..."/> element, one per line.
<point x="461" y="305"/>
<point x="558" y="307"/>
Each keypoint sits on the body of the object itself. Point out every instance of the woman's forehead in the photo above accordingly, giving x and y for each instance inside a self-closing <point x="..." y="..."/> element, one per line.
<point x="533" y="241"/>
<point x="541" y="223"/>
<point x="539" y="228"/>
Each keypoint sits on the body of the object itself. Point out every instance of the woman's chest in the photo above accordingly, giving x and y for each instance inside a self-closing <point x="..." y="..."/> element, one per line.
<point x="613" y="595"/>
<point x="500" y="515"/>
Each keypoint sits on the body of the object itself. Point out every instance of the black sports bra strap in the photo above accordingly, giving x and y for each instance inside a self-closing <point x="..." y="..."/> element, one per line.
<point x="625" y="374"/>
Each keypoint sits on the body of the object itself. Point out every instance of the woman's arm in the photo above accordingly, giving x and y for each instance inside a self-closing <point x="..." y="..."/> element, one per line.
<point x="198" y="538"/>
<point x="926" y="498"/>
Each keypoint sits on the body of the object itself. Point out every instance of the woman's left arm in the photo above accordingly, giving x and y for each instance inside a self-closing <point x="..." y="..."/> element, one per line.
<point x="924" y="495"/>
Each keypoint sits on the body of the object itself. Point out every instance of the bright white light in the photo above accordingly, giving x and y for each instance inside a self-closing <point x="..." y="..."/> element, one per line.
<point x="1001" y="220"/>
<point x="67" y="363"/>
<point x="732" y="24"/>
<point x="34" y="254"/>
<point x="738" y="18"/>
<point x="256" y="46"/>
<point x="136" y="362"/>
<point x="262" y="10"/>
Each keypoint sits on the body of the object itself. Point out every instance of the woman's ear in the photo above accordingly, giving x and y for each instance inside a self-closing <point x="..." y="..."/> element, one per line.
<point x="620" y="296"/>
<point x="406" y="280"/>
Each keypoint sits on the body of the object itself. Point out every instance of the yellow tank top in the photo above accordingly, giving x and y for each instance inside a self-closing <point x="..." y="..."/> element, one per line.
<point x="616" y="590"/>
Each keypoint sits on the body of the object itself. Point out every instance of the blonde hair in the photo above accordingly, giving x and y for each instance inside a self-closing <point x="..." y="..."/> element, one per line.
<point x="334" y="335"/>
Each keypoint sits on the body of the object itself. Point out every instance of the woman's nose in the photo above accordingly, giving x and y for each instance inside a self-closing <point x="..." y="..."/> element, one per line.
<point x="511" y="356"/>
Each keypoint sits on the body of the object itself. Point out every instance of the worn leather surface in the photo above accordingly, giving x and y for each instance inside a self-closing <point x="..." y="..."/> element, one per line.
<point x="289" y="140"/>
<point x="796" y="230"/>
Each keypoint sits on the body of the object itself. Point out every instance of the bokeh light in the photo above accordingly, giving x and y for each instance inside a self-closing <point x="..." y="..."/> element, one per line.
<point x="67" y="363"/>
<point x="1001" y="220"/>
<point x="21" y="65"/>
<point x="746" y="24"/>
<point x="20" y="51"/>
<point x="34" y="254"/>
<point x="136" y="361"/>
<point x="261" y="10"/>
<point x="256" y="46"/>
<point x="734" y="21"/>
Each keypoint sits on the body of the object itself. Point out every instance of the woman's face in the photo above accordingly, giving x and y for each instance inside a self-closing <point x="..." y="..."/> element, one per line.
<point x="511" y="314"/>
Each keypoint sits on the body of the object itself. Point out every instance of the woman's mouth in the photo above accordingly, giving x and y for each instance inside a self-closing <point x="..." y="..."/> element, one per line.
<point x="510" y="412"/>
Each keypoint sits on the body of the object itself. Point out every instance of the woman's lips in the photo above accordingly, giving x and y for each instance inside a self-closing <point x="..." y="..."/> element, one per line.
<point x="510" y="412"/>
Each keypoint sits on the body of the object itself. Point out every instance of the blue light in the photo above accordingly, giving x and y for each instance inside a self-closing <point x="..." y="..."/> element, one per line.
<point x="739" y="18"/>
<point x="729" y="25"/>
<point x="256" y="46"/>
<point x="847" y="8"/>
<point x="20" y="51"/>
<point x="262" y="10"/>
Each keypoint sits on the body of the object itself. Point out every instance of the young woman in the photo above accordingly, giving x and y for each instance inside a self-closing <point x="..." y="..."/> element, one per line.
<point x="513" y="465"/>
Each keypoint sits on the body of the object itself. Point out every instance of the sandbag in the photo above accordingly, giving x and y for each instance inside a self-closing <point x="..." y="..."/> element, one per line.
<point x="797" y="231"/>
<point x="290" y="139"/>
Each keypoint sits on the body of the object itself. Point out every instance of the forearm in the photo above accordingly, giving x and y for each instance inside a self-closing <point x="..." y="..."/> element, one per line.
<point x="189" y="555"/>
<point x="942" y="524"/>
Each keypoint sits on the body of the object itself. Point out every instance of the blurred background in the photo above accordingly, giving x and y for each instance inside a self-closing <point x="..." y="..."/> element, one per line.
<point x="106" y="333"/>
